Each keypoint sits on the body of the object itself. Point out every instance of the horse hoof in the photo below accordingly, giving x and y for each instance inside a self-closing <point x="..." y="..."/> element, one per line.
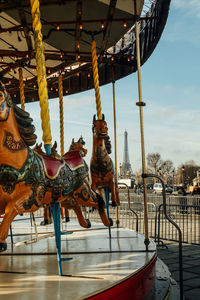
<point x="3" y="247"/>
<point x="114" y="204"/>
<point x="45" y="222"/>
<point x="111" y="222"/>
<point x="67" y="219"/>
<point x="89" y="224"/>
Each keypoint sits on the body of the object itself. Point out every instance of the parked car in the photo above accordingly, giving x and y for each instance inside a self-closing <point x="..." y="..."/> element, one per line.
<point x="149" y="186"/>
<point x="157" y="188"/>
<point x="168" y="189"/>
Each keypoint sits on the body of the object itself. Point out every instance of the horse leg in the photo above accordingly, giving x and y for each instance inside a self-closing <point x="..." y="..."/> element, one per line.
<point x="10" y="213"/>
<point x="101" y="208"/>
<point x="64" y="213"/>
<point x="82" y="221"/>
<point x="47" y="216"/>
<point x="67" y="219"/>
<point x="117" y="194"/>
<point x="113" y="196"/>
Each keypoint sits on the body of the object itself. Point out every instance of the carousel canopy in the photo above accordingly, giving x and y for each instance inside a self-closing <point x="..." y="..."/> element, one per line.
<point x="68" y="27"/>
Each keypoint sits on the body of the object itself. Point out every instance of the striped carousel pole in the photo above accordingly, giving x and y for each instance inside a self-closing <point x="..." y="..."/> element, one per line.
<point x="141" y="104"/>
<point x="41" y="75"/>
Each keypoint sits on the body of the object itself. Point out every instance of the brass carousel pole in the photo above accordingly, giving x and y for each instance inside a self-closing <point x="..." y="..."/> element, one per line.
<point x="115" y="139"/>
<point x="96" y="80"/>
<point x="41" y="75"/>
<point x="21" y="88"/>
<point x="141" y="104"/>
<point x="60" y="85"/>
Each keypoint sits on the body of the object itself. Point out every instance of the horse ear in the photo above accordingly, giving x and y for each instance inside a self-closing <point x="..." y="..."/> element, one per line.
<point x="94" y="118"/>
<point x="103" y="117"/>
<point x="73" y="141"/>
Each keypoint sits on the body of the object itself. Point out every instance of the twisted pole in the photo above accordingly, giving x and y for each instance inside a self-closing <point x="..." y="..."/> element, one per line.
<point x="41" y="75"/>
<point x="96" y="80"/>
<point x="21" y="88"/>
<point x="60" y="85"/>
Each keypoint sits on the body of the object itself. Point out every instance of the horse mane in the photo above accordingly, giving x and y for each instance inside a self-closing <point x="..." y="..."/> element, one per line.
<point x="107" y="144"/>
<point x="24" y="124"/>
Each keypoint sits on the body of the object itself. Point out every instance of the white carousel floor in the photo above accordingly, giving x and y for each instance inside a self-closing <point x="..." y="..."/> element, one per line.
<point x="30" y="270"/>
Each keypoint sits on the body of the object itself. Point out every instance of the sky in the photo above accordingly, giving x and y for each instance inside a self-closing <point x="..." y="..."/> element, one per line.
<point x="170" y="89"/>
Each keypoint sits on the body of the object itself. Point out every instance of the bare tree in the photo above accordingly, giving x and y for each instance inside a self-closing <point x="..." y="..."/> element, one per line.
<point x="153" y="162"/>
<point x="166" y="170"/>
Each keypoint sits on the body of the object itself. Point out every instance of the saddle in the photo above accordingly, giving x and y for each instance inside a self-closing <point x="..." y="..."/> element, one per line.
<point x="52" y="165"/>
<point x="73" y="159"/>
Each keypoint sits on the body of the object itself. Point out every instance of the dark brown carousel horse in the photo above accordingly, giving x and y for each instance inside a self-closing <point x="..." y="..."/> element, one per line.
<point x="29" y="180"/>
<point x="101" y="166"/>
<point x="79" y="145"/>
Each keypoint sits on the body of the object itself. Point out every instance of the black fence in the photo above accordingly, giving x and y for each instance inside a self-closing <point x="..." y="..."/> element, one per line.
<point x="185" y="211"/>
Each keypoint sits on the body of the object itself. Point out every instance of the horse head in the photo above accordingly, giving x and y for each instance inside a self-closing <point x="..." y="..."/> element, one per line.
<point x="23" y="120"/>
<point x="4" y="104"/>
<point x="79" y="146"/>
<point x="100" y="128"/>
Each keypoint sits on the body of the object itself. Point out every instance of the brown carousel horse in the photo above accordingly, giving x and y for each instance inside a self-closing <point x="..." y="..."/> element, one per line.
<point x="29" y="180"/>
<point x="101" y="166"/>
<point x="79" y="145"/>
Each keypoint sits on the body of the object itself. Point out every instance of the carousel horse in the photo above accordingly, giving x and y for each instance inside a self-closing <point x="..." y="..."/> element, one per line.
<point x="101" y="166"/>
<point x="79" y="145"/>
<point x="29" y="180"/>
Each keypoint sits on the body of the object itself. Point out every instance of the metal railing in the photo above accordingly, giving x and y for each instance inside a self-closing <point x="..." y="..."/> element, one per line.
<point x="184" y="210"/>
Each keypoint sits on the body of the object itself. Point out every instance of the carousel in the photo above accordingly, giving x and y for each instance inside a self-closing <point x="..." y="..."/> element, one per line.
<point x="58" y="48"/>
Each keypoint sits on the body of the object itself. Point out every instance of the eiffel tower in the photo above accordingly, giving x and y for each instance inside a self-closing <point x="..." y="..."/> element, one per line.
<point x="126" y="170"/>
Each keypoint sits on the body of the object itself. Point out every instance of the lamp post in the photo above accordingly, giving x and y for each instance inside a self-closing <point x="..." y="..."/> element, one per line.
<point x="183" y="169"/>
<point x="173" y="172"/>
<point x="120" y="170"/>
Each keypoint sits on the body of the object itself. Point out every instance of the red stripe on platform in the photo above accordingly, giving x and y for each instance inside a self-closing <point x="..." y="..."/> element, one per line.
<point x="135" y="287"/>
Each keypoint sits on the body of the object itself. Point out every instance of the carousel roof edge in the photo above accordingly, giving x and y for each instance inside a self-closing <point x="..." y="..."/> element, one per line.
<point x="114" y="63"/>
<point x="121" y="67"/>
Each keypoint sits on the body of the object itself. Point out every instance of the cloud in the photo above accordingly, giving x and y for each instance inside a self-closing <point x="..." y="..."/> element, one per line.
<point x="73" y="102"/>
<point x="191" y="7"/>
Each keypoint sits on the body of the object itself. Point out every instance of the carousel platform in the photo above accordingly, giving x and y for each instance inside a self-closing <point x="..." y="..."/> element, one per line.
<point x="102" y="265"/>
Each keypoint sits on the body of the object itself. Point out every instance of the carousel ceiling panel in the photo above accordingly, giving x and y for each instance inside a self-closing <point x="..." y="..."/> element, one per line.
<point x="68" y="27"/>
<point x="93" y="14"/>
<point x="127" y="5"/>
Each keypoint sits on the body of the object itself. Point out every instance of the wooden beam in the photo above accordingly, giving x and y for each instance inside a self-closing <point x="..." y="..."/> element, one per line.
<point x="78" y="28"/>
<point x="26" y="29"/>
<point x="108" y="25"/>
